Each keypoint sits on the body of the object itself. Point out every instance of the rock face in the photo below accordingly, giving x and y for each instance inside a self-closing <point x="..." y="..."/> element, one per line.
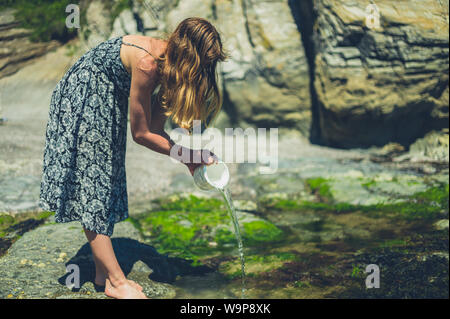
<point x="314" y="65"/>
<point x="98" y="23"/>
<point x="104" y="21"/>
<point x="265" y="81"/>
<point x="16" y="49"/>
<point x="382" y="84"/>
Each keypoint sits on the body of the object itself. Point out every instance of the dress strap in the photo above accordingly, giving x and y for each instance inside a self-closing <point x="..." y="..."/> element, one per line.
<point x="136" y="46"/>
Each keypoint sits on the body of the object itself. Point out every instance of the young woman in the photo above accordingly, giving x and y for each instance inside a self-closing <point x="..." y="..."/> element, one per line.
<point x="84" y="159"/>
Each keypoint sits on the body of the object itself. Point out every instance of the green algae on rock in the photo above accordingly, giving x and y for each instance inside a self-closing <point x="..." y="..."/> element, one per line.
<point x="257" y="264"/>
<point x="193" y="227"/>
<point x="423" y="201"/>
<point x="13" y="227"/>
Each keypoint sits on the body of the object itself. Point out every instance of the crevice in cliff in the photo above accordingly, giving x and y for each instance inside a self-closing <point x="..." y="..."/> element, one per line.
<point x="139" y="22"/>
<point x="229" y="107"/>
<point x="305" y="15"/>
<point x="247" y="28"/>
<point x="214" y="10"/>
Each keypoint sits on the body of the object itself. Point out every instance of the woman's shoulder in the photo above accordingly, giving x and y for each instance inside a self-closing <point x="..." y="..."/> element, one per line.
<point x="158" y="45"/>
<point x="144" y="51"/>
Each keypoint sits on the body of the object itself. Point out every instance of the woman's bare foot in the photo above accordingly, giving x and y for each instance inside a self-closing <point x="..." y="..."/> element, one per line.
<point x="125" y="290"/>
<point x="135" y="284"/>
<point x="100" y="280"/>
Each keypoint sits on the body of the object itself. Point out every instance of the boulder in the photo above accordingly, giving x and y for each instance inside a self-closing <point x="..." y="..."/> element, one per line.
<point x="106" y="20"/>
<point x="266" y="78"/>
<point x="387" y="83"/>
<point x="433" y="147"/>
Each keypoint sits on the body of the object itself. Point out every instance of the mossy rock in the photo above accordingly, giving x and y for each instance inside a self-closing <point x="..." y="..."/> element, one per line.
<point x="320" y="186"/>
<point x="194" y="227"/>
<point x="12" y="227"/>
<point x="257" y="264"/>
<point x="260" y="231"/>
<point x="430" y="203"/>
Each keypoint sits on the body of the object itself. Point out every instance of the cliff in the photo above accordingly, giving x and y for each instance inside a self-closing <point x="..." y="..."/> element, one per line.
<point x="383" y="84"/>
<point x="312" y="65"/>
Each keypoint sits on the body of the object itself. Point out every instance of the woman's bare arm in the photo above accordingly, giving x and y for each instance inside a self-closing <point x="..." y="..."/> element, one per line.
<point x="147" y="121"/>
<point x="142" y="85"/>
<point x="158" y="120"/>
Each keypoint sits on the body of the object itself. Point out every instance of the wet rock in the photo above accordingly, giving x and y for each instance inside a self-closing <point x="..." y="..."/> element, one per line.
<point x="189" y="226"/>
<point x="441" y="224"/>
<point x="257" y="264"/>
<point x="433" y="147"/>
<point x="353" y="182"/>
<point x="35" y="265"/>
<point x="245" y="205"/>
<point x="376" y="189"/>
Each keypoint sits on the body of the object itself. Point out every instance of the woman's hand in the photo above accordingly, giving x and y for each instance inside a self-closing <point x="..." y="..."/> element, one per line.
<point x="207" y="158"/>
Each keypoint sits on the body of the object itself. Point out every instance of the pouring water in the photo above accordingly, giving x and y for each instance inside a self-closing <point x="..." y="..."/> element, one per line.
<point x="227" y="196"/>
<point x="217" y="176"/>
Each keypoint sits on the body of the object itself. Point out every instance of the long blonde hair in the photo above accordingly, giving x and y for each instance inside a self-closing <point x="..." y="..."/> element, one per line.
<point x="188" y="75"/>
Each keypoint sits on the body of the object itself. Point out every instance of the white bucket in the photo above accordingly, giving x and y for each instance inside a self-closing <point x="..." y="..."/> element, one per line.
<point x="208" y="177"/>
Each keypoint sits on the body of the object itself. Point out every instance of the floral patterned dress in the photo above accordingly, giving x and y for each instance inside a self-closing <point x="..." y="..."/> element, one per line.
<point x="84" y="158"/>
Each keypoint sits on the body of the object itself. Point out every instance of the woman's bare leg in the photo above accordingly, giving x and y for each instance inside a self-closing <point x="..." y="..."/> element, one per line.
<point x="100" y="272"/>
<point x="116" y="284"/>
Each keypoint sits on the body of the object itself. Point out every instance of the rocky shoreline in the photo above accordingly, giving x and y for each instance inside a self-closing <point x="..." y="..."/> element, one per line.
<point x="309" y="231"/>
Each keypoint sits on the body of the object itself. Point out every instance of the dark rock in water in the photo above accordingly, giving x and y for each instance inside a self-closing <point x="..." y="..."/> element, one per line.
<point x="405" y="275"/>
<point x="35" y="265"/>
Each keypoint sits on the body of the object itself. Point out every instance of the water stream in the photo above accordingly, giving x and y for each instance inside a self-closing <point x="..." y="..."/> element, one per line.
<point x="232" y="211"/>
